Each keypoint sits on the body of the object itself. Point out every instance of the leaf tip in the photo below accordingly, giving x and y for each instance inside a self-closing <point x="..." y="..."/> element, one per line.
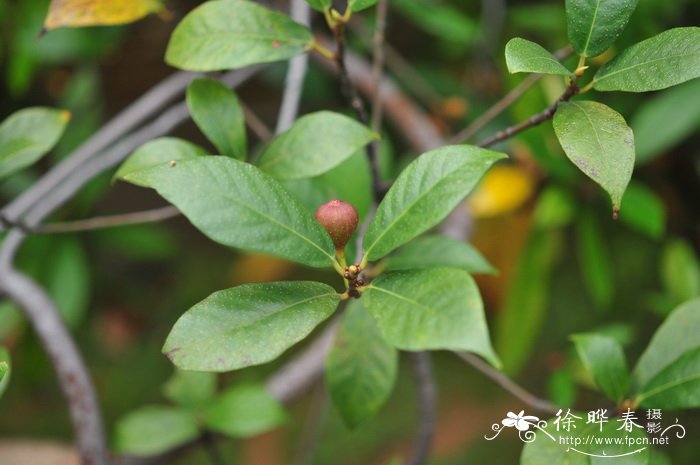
<point x="616" y="213"/>
<point x="65" y="116"/>
<point x="42" y="32"/>
<point x="170" y="353"/>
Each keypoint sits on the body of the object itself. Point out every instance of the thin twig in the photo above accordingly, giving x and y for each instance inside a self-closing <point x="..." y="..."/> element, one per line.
<point x="534" y="120"/>
<point x="427" y="408"/>
<point x="54" y="189"/>
<point x="111" y="221"/>
<point x="66" y="360"/>
<point x="301" y="372"/>
<point x="256" y="124"/>
<point x="508" y="384"/>
<point x="408" y="118"/>
<point x="401" y="68"/>
<point x="167" y="121"/>
<point x="286" y="384"/>
<point x="505" y="102"/>
<point x="378" y="64"/>
<point x="128" y="119"/>
<point x="301" y="13"/>
<point x="350" y="93"/>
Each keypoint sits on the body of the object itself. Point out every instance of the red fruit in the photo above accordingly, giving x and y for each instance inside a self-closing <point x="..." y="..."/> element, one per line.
<point x="339" y="219"/>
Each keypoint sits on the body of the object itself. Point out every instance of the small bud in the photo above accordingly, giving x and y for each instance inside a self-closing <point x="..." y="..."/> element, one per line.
<point x="339" y="219"/>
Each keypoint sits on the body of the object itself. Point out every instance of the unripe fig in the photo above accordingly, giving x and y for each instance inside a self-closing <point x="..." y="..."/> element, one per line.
<point x="339" y="219"/>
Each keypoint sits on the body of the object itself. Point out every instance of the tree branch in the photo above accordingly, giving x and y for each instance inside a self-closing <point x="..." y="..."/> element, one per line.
<point x="505" y="102"/>
<point x="286" y="384"/>
<point x="378" y="64"/>
<point x="68" y="364"/>
<point x="302" y="371"/>
<point x="349" y="91"/>
<point x="301" y="13"/>
<point x="129" y="118"/>
<point x="398" y="65"/>
<point x="427" y="408"/>
<point x="410" y="120"/>
<point x="167" y="121"/>
<point x="43" y="198"/>
<point x="534" y="120"/>
<point x="101" y="222"/>
<point x="508" y="384"/>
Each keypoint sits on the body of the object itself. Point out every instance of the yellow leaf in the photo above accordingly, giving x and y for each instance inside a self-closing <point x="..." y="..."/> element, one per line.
<point x="503" y="189"/>
<point x="77" y="13"/>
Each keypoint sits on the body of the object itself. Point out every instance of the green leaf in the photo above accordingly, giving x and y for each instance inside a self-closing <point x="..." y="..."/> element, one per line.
<point x="643" y="210"/>
<point x="439" y="308"/>
<point x="320" y="5"/>
<point x="27" y="135"/>
<point x="437" y="252"/>
<point x="217" y="112"/>
<point x="424" y="194"/>
<point x="360" y="368"/>
<point x="229" y="34"/>
<point x="190" y="389"/>
<point x="313" y="145"/>
<point x="676" y="387"/>
<point x="158" y="152"/>
<point x="680" y="271"/>
<point x="653" y="134"/>
<point x="593" y="25"/>
<point x="244" y="411"/>
<point x="248" y="325"/>
<point x="5" y="369"/>
<point x="359" y="5"/>
<point x="605" y="361"/>
<point x="152" y="430"/>
<point x="66" y="276"/>
<point x="545" y="451"/>
<point x="443" y="20"/>
<point x="556" y="208"/>
<point x="594" y="260"/>
<point x="598" y="141"/>
<point x="677" y="335"/>
<point x="519" y="321"/>
<point x="662" y="61"/>
<point x="529" y="57"/>
<point x="236" y="204"/>
<point x="626" y="454"/>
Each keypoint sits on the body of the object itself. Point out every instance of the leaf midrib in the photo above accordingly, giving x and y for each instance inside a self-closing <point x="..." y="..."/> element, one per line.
<point x="667" y="386"/>
<point x="242" y="34"/>
<point x="636" y="65"/>
<point x="275" y="221"/>
<point x="401" y="297"/>
<point x="276" y="313"/>
<point x="406" y="210"/>
<point x="590" y="121"/>
<point x="590" y="31"/>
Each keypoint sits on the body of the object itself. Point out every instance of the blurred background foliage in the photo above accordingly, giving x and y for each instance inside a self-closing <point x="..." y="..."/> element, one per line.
<point x="564" y="265"/>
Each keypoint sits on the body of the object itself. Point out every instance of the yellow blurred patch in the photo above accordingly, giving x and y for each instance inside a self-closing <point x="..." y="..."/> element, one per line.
<point x="260" y="268"/>
<point x="503" y="189"/>
<point x="77" y="13"/>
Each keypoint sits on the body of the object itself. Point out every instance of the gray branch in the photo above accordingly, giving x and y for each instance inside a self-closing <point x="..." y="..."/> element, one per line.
<point x="41" y="200"/>
<point x="427" y="408"/>
<point x="128" y="119"/>
<point x="508" y="384"/>
<point x="67" y="362"/>
<point x="289" y="109"/>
